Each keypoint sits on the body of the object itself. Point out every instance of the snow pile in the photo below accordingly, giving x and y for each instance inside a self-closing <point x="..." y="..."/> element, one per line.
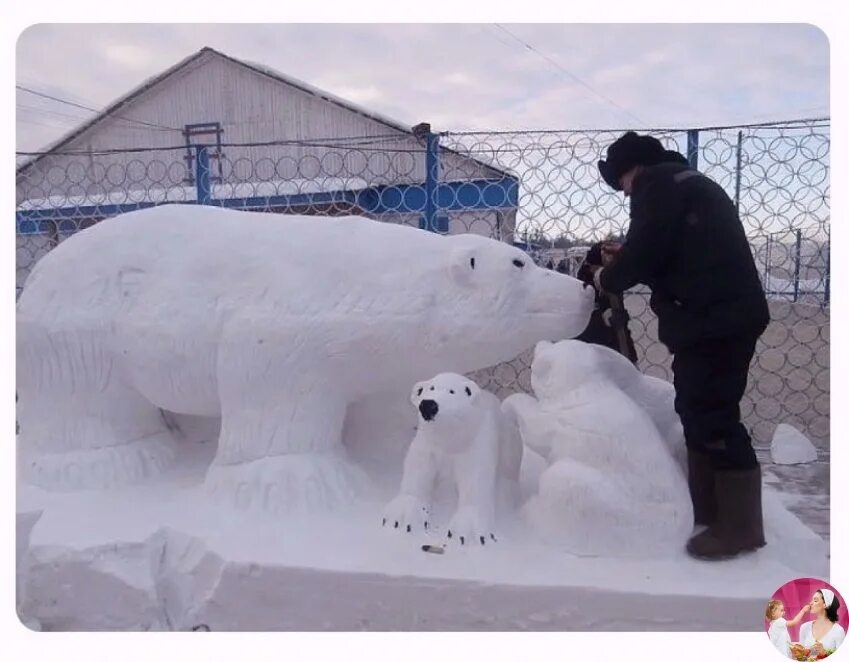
<point x="789" y="446"/>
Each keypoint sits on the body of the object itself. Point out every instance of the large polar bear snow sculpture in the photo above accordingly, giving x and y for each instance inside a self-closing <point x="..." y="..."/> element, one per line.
<point x="462" y="439"/>
<point x="273" y="323"/>
<point x="612" y="485"/>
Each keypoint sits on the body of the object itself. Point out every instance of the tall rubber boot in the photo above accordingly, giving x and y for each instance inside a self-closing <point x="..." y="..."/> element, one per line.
<point x="700" y="478"/>
<point x="739" y="518"/>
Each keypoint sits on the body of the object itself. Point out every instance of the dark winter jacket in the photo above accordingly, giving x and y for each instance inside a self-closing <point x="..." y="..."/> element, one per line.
<point x="686" y="242"/>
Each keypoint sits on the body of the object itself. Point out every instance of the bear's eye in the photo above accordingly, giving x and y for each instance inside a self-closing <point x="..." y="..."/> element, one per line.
<point x="431" y="388"/>
<point x="518" y="263"/>
<point x="451" y="391"/>
<point x="468" y="391"/>
<point x="472" y="262"/>
<point x="419" y="392"/>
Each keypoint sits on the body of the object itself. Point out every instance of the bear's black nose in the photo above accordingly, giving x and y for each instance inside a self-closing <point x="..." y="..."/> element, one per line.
<point x="428" y="409"/>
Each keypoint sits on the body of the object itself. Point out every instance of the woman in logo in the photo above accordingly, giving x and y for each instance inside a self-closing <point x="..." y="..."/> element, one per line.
<point x="823" y="634"/>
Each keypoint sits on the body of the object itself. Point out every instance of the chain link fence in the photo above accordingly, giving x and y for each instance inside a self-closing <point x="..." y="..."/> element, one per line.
<point x="538" y="189"/>
<point x="778" y="174"/>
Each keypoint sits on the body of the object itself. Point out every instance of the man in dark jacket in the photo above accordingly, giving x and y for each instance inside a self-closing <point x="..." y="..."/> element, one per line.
<point x="686" y="242"/>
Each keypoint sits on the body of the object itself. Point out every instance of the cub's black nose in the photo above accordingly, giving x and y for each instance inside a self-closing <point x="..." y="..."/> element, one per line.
<point x="428" y="409"/>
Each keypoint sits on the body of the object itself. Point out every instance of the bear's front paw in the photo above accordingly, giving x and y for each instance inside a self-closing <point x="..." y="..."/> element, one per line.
<point x="406" y="512"/>
<point x="470" y="526"/>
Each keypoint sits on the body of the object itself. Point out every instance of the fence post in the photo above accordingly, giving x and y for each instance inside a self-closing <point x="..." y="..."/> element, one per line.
<point x="428" y="220"/>
<point x="204" y="189"/>
<point x="768" y="263"/>
<point x="53" y="234"/>
<point x="693" y="148"/>
<point x="827" y="271"/>
<point x="739" y="169"/>
<point x="798" y="264"/>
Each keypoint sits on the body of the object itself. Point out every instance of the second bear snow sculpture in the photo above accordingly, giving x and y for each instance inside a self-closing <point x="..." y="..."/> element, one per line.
<point x="463" y="439"/>
<point x="612" y="486"/>
<point x="274" y="323"/>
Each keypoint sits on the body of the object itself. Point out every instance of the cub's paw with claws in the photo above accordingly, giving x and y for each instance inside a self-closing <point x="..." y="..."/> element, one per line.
<point x="469" y="527"/>
<point x="406" y="513"/>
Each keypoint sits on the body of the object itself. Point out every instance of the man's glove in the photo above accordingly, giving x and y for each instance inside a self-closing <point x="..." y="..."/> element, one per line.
<point x="617" y="319"/>
<point x="601" y="253"/>
<point x="609" y="251"/>
<point x="592" y="261"/>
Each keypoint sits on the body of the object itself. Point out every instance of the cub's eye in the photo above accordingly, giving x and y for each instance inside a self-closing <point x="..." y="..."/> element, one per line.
<point x="419" y="392"/>
<point x="468" y="391"/>
<point x="472" y="262"/>
<point x="451" y="391"/>
<point x="431" y="388"/>
<point x="518" y="263"/>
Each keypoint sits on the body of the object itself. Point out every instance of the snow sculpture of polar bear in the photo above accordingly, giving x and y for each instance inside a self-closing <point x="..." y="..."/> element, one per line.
<point x="273" y="323"/>
<point x="612" y="486"/>
<point x="462" y="436"/>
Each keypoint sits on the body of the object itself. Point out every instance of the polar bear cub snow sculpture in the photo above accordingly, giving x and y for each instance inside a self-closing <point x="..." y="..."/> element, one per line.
<point x="462" y="438"/>
<point x="274" y="323"/>
<point x="612" y="486"/>
<point x="653" y="395"/>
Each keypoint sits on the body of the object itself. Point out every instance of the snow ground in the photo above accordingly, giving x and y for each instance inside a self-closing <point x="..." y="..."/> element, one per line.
<point x="160" y="556"/>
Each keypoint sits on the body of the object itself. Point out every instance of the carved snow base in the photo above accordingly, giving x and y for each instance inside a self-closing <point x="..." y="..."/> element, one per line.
<point x="284" y="483"/>
<point x="98" y="468"/>
<point x="161" y="557"/>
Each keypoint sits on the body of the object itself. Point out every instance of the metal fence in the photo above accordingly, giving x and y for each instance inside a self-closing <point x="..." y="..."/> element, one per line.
<point x="538" y="189"/>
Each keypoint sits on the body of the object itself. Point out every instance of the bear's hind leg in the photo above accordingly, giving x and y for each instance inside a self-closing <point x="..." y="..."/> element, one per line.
<point x="81" y="426"/>
<point x="280" y="447"/>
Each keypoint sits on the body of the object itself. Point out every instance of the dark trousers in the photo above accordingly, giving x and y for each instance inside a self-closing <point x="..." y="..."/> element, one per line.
<point x="710" y="380"/>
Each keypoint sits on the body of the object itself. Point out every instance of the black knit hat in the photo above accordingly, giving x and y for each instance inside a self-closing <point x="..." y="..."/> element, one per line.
<point x="630" y="150"/>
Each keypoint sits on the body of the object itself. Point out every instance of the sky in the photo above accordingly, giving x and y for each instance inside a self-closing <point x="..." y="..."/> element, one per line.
<point x="455" y="76"/>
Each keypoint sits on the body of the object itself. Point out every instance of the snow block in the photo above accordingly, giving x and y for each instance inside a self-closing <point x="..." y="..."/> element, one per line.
<point x="789" y="446"/>
<point x="171" y="561"/>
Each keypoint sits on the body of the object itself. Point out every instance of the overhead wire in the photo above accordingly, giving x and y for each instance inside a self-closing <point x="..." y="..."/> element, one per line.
<point x="44" y="95"/>
<point x="571" y="75"/>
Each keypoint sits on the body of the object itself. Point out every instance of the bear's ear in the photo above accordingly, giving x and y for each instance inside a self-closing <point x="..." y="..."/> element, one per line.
<point x="463" y="266"/>
<point x="417" y="391"/>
